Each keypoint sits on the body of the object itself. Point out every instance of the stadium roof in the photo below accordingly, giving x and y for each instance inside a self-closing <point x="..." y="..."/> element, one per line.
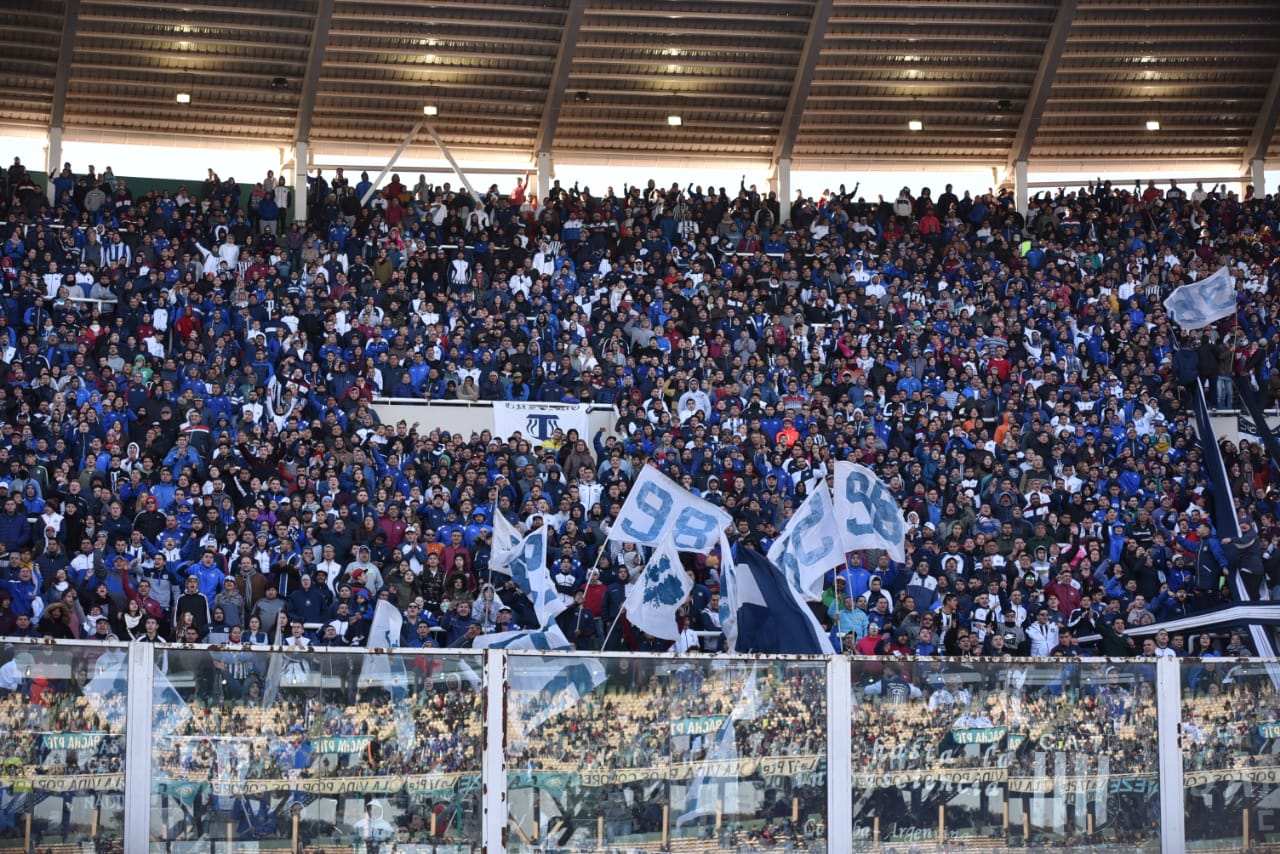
<point x="826" y="83"/>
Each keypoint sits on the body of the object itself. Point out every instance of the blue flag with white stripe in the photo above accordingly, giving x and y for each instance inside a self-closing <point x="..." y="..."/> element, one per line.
<point x="769" y="615"/>
<point x="1196" y="305"/>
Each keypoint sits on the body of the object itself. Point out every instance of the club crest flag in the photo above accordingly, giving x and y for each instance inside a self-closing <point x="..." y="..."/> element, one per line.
<point x="653" y="600"/>
<point x="810" y="544"/>
<point x="657" y="508"/>
<point x="1197" y="304"/>
<point x="869" y="514"/>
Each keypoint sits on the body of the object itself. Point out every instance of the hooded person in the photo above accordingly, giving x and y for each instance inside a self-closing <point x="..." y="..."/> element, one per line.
<point x="486" y="607"/>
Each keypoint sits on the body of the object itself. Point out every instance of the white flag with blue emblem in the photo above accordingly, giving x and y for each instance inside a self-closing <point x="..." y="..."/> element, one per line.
<point x="1196" y="305"/>
<point x="810" y="544"/>
<point x="530" y="574"/>
<point x="653" y="600"/>
<point x="658" y="507"/>
<point x="870" y="514"/>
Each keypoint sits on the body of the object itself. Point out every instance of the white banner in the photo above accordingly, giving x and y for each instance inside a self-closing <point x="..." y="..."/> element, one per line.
<point x="538" y="421"/>
<point x="871" y="516"/>
<point x="652" y="601"/>
<point x="810" y="544"/>
<point x="658" y="507"/>
<point x="1196" y="305"/>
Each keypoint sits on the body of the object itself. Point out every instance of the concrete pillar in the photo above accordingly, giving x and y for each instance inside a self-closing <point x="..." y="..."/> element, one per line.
<point x="1021" y="192"/>
<point x="1258" y="176"/>
<point x="300" y="168"/>
<point x="543" y="180"/>
<point x="54" y="164"/>
<point x="782" y="178"/>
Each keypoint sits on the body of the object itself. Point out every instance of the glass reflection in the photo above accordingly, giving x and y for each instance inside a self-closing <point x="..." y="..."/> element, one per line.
<point x="62" y="724"/>
<point x="1230" y="738"/>
<point x="363" y="752"/>
<point x="690" y="754"/>
<point x="1004" y="754"/>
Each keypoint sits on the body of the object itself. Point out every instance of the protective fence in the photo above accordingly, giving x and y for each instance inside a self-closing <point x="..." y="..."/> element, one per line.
<point x="218" y="749"/>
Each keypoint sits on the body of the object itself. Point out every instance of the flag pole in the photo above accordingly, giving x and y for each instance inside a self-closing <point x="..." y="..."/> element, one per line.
<point x="605" y="643"/>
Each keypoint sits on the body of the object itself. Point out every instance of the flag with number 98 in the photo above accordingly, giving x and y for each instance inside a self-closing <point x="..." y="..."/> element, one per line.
<point x="869" y="515"/>
<point x="657" y="507"/>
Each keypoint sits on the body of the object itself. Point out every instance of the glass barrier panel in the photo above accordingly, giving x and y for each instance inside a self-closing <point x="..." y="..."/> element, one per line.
<point x="62" y="724"/>
<point x="1003" y="754"/>
<point x="257" y="750"/>
<point x="675" y="754"/>
<point x="1230" y="738"/>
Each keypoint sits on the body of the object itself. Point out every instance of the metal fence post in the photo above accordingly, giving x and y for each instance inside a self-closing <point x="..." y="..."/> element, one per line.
<point x="493" y="766"/>
<point x="1168" y="737"/>
<point x="137" y="754"/>
<point x="839" y="754"/>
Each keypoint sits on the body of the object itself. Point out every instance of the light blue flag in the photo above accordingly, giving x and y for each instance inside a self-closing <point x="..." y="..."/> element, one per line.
<point x="1196" y="305"/>
<point x="652" y="601"/>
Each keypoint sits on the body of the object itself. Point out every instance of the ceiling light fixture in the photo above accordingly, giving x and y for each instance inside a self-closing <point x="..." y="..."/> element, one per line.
<point x="431" y="110"/>
<point x="1153" y="125"/>
<point x="915" y="125"/>
<point x="675" y="120"/>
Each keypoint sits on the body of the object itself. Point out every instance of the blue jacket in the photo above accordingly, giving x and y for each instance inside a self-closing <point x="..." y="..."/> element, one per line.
<point x="15" y="530"/>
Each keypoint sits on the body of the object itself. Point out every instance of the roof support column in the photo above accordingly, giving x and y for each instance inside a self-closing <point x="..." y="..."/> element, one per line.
<point x="377" y="182"/>
<point x="1042" y="85"/>
<point x="444" y="149"/>
<point x="54" y="163"/>
<point x="1258" y="176"/>
<point x="782" y="181"/>
<point x="1021" y="192"/>
<point x="58" y="109"/>
<point x="543" y="180"/>
<point x="300" y="169"/>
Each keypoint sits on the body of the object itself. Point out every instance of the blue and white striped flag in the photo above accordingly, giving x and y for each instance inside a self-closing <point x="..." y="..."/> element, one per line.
<point x="765" y="613"/>
<point x="1196" y="305"/>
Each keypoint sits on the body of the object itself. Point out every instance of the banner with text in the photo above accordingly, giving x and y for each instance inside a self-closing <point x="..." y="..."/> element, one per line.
<point x="538" y="421"/>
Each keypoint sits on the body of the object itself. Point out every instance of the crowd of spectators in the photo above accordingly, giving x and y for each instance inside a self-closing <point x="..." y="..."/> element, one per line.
<point x="189" y="450"/>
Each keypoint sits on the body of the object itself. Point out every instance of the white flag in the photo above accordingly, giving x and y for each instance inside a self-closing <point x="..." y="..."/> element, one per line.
<point x="810" y="544"/>
<point x="529" y="572"/>
<point x="506" y="544"/>
<point x="652" y="601"/>
<point x="870" y="514"/>
<point x="658" y="507"/>
<point x="1196" y="305"/>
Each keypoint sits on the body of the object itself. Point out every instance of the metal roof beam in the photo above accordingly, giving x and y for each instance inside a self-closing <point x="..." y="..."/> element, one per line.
<point x="1043" y="83"/>
<point x="790" y="127"/>
<point x="62" y="76"/>
<point x="315" y="63"/>
<point x="1268" y="113"/>
<point x="559" y="76"/>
